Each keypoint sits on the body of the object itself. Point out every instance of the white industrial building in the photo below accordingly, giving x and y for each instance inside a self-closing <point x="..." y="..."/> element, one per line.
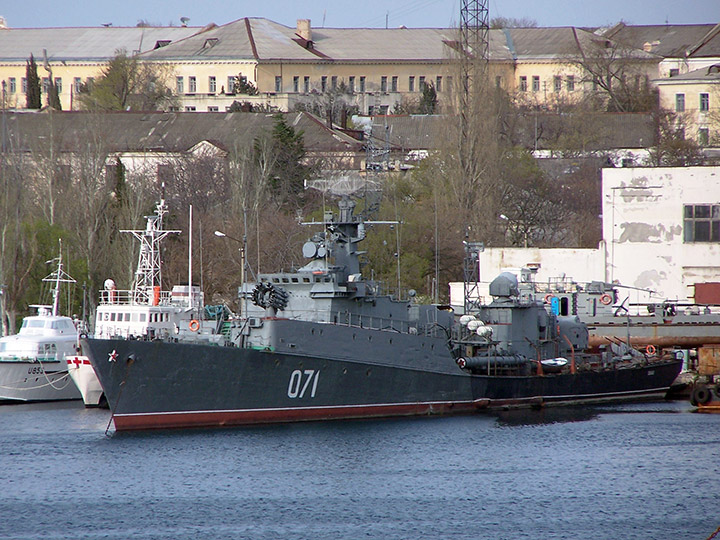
<point x="661" y="233"/>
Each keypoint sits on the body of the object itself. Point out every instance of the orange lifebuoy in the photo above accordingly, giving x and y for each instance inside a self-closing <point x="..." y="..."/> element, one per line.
<point x="194" y="325"/>
<point x="650" y="349"/>
<point x="605" y="299"/>
<point x="548" y="298"/>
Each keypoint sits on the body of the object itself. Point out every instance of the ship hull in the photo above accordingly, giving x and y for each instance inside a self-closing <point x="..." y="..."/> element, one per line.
<point x="151" y="385"/>
<point x="83" y="375"/>
<point x="35" y="381"/>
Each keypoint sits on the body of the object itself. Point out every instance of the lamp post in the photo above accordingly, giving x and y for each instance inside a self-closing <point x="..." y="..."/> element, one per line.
<point x="243" y="244"/>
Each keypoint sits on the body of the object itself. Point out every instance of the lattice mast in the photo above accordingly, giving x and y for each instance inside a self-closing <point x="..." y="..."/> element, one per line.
<point x="148" y="276"/>
<point x="475" y="33"/>
<point x="474" y="57"/>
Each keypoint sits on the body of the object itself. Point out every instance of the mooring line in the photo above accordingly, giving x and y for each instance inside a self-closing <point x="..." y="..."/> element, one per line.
<point x="129" y="362"/>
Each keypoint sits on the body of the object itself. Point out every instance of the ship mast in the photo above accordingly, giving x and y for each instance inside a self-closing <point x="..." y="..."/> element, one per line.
<point x="56" y="277"/>
<point x="148" y="276"/>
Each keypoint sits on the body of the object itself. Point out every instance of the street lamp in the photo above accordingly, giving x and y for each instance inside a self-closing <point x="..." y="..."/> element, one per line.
<point x="243" y="244"/>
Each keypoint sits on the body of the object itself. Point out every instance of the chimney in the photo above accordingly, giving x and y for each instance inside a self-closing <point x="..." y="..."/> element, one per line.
<point x="304" y="30"/>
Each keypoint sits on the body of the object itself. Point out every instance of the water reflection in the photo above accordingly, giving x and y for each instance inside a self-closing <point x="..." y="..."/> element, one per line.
<point x="549" y="415"/>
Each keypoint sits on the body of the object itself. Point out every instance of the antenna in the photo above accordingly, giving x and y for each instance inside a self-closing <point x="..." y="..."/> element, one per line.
<point x="190" y="247"/>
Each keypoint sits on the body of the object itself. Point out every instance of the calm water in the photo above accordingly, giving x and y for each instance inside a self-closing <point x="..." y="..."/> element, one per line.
<point x="649" y="471"/>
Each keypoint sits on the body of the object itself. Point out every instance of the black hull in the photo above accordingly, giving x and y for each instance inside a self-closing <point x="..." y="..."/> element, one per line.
<point x="167" y="385"/>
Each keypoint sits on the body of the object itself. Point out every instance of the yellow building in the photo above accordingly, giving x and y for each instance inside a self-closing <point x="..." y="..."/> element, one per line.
<point x="71" y="56"/>
<point x="375" y="70"/>
<point x="695" y="98"/>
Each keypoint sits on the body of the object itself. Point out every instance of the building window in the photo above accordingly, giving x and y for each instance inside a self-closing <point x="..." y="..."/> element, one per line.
<point x="703" y="136"/>
<point x="411" y="83"/>
<point x="58" y="84"/>
<point x="498" y="81"/>
<point x="77" y="85"/>
<point x="702" y="223"/>
<point x="23" y="85"/>
<point x="570" y="83"/>
<point x="278" y="83"/>
<point x="438" y="83"/>
<point x="523" y="83"/>
<point x="362" y="83"/>
<point x="333" y="82"/>
<point x="212" y="85"/>
<point x="45" y="85"/>
<point x="296" y="83"/>
<point x="674" y="72"/>
<point x="212" y="109"/>
<point x="323" y="83"/>
<point x="306" y="84"/>
<point x="13" y="85"/>
<point x="557" y="83"/>
<point x="190" y="108"/>
<point x="179" y="85"/>
<point x="231" y="84"/>
<point x="421" y="83"/>
<point x="679" y="102"/>
<point x="351" y="84"/>
<point x="192" y="85"/>
<point x="394" y="84"/>
<point x="704" y="102"/>
<point x="383" y="84"/>
<point x="536" y="83"/>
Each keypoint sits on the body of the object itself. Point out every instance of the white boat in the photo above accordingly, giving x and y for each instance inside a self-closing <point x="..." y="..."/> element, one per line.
<point x="33" y="362"/>
<point x="145" y="312"/>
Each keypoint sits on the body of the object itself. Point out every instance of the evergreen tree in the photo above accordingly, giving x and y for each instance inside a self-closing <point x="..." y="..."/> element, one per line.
<point x="288" y="173"/>
<point x="428" y="102"/>
<point x="33" y="84"/>
<point x="54" y="97"/>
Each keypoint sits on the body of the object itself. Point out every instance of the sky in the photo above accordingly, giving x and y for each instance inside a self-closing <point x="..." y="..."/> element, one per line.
<point x="357" y="14"/>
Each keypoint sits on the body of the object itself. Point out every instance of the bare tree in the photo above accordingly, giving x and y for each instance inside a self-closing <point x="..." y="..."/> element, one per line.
<point x="11" y="218"/>
<point x="619" y="74"/>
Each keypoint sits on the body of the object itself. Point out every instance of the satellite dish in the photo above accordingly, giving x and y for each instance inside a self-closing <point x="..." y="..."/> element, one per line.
<point x="184" y="20"/>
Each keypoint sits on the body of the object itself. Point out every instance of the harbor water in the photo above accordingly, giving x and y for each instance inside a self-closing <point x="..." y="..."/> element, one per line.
<point x="641" y="471"/>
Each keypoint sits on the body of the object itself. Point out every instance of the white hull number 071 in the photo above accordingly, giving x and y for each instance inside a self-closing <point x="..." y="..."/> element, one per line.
<point x="300" y="381"/>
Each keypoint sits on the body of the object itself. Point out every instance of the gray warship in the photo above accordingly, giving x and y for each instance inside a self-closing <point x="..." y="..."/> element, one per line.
<point x="323" y="343"/>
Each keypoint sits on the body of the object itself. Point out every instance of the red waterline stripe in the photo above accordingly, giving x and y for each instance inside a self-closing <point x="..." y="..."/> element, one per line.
<point x="267" y="416"/>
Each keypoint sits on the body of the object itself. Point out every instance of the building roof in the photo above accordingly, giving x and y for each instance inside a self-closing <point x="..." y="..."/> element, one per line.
<point x="413" y="132"/>
<point x="84" y="44"/>
<point x="266" y="40"/>
<point x="165" y="132"/>
<point x="260" y="39"/>
<point x="668" y="40"/>
<point x="710" y="74"/>
<point x="606" y="131"/>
